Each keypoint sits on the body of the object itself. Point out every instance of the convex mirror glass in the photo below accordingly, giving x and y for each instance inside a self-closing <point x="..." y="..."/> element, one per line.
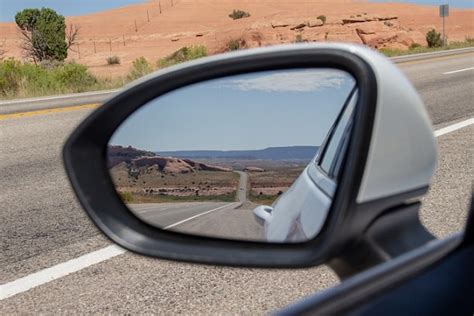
<point x="239" y="157"/>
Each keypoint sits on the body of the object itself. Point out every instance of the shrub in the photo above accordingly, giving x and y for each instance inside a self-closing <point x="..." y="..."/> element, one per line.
<point x="414" y="46"/>
<point x="73" y="77"/>
<point x="322" y="18"/>
<point x="26" y="79"/>
<point x="140" y="68"/>
<point x="10" y="76"/>
<point x="113" y="60"/>
<point x="50" y="64"/>
<point x="433" y="38"/>
<point x="44" y="32"/>
<point x="2" y="53"/>
<point x="126" y="197"/>
<point x="299" y="39"/>
<point x="239" y="14"/>
<point x="233" y="44"/>
<point x="183" y="54"/>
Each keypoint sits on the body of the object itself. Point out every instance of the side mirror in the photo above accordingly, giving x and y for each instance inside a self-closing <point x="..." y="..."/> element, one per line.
<point x="183" y="164"/>
<point x="263" y="214"/>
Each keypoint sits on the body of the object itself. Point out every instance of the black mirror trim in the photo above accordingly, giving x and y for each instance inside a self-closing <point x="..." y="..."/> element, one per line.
<point x="85" y="162"/>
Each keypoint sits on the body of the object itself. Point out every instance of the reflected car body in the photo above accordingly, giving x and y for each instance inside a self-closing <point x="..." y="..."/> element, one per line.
<point x="299" y="214"/>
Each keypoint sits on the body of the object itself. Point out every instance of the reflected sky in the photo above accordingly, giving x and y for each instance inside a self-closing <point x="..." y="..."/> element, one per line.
<point x="244" y="112"/>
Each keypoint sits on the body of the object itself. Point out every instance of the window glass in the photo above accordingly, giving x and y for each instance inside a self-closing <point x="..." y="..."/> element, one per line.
<point x="337" y="138"/>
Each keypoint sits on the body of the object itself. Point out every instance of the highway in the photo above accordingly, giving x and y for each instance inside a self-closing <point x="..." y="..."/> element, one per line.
<point x="43" y="225"/>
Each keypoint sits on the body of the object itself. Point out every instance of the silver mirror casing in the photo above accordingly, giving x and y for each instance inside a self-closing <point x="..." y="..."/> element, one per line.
<point x="387" y="105"/>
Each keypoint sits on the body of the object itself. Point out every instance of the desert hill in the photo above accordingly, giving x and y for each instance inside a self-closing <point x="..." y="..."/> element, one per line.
<point x="137" y="161"/>
<point x="141" y="30"/>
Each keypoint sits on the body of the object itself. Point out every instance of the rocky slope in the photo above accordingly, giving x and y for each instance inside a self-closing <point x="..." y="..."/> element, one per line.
<point x="137" y="161"/>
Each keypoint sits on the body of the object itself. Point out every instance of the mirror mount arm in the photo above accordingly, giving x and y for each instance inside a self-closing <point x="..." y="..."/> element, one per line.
<point x="395" y="232"/>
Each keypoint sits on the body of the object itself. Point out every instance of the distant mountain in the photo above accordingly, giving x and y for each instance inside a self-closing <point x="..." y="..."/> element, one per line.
<point x="270" y="153"/>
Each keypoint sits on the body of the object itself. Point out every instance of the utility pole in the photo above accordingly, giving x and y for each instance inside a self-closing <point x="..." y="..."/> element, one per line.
<point x="443" y="13"/>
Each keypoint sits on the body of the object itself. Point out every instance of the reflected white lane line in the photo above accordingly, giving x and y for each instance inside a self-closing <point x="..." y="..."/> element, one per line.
<point x="456" y="71"/>
<point x="200" y="214"/>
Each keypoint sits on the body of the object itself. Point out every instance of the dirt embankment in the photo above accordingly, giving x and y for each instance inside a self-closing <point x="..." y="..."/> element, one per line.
<point x="155" y="29"/>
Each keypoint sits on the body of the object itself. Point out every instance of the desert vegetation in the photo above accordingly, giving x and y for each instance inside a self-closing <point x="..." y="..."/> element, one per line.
<point x="19" y="79"/>
<point x="235" y="44"/>
<point x="433" y="39"/>
<point x="183" y="54"/>
<point x="140" y="68"/>
<point x="418" y="49"/>
<point x="113" y="60"/>
<point x="52" y="76"/>
<point x="44" y="34"/>
<point x="299" y="38"/>
<point x="322" y="18"/>
<point x="267" y="186"/>
<point x="238" y="14"/>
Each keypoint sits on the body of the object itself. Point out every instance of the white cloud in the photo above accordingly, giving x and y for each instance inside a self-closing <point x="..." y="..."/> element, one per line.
<point x="291" y="81"/>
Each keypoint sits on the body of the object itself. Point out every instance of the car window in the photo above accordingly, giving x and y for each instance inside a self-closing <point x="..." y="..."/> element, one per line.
<point x="336" y="141"/>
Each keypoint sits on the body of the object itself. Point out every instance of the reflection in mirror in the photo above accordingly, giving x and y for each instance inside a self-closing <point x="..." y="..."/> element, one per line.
<point x="236" y="157"/>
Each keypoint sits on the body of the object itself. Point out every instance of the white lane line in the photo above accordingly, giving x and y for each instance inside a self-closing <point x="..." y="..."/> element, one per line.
<point x="456" y="71"/>
<point x="454" y="127"/>
<point x="196" y="216"/>
<point x="58" y="271"/>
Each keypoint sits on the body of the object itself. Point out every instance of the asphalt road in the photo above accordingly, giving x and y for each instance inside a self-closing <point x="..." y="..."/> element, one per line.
<point x="213" y="219"/>
<point x="170" y="215"/>
<point x="43" y="225"/>
<point x="242" y="189"/>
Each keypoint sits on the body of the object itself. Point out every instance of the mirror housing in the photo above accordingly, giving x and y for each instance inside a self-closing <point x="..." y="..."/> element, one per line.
<point x="386" y="167"/>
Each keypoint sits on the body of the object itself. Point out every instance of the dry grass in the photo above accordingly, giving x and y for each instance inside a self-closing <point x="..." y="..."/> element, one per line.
<point x="137" y="198"/>
<point x="266" y="186"/>
<point x="173" y="187"/>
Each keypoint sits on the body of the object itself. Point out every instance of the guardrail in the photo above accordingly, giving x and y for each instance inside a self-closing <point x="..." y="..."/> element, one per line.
<point x="422" y="56"/>
<point x="51" y="102"/>
<point x="41" y="103"/>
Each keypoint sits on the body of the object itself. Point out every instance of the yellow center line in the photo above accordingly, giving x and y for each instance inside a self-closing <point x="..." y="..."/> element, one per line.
<point x="48" y="111"/>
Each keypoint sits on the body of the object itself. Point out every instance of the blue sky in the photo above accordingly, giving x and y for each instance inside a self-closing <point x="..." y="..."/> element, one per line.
<point x="252" y="111"/>
<point x="8" y="8"/>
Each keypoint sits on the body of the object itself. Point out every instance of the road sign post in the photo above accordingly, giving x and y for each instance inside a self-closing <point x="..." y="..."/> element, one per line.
<point x="443" y="13"/>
